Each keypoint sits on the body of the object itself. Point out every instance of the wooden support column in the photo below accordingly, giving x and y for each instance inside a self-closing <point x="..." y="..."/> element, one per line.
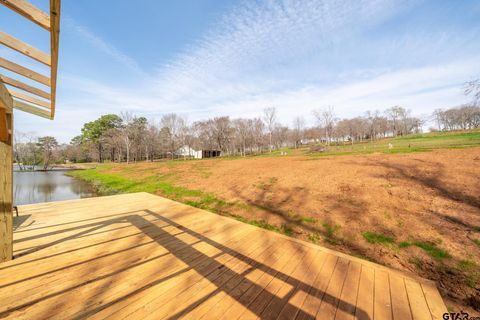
<point x="6" y="174"/>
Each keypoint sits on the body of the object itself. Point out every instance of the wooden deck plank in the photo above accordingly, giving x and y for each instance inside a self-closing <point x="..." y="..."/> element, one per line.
<point x="270" y="292"/>
<point x="434" y="301"/>
<point x="256" y="281"/>
<point x="156" y="265"/>
<point x="142" y="256"/>
<point x="314" y="300"/>
<point x="382" y="306"/>
<point x="72" y="260"/>
<point x="348" y="297"/>
<point x="130" y="234"/>
<point x="106" y="265"/>
<point x="209" y="293"/>
<point x="400" y="304"/>
<point x="418" y="305"/>
<point x="303" y="276"/>
<point x="298" y="297"/>
<point x="364" y="309"/>
<point x="332" y="295"/>
<point x="226" y="298"/>
<point x="178" y="290"/>
<point x="68" y="282"/>
<point x="205" y="264"/>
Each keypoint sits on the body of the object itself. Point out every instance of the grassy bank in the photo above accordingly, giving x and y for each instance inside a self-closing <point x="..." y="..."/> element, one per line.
<point x="407" y="144"/>
<point x="106" y="184"/>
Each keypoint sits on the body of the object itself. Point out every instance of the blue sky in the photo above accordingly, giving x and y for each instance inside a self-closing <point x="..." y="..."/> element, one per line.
<point x="205" y="58"/>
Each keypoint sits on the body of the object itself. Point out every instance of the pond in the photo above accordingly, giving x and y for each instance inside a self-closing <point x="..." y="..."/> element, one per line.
<point x="45" y="186"/>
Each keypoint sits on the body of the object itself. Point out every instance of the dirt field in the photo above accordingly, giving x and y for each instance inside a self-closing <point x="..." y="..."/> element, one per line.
<point x="418" y="212"/>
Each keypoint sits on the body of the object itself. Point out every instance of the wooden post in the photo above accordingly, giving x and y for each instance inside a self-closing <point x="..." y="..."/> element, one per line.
<point x="6" y="175"/>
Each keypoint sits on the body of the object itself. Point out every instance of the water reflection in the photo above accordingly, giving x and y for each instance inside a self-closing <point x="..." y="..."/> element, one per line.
<point x="35" y="187"/>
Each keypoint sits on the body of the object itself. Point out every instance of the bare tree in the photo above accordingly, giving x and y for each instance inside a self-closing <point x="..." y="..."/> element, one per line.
<point x="473" y="88"/>
<point x="280" y="134"/>
<point x="326" y="119"/>
<point x="26" y="150"/>
<point x="151" y="142"/>
<point x="222" y="132"/>
<point x="127" y="119"/>
<point x="20" y="149"/>
<point x="47" y="145"/>
<point x="463" y="117"/>
<point x="298" y="130"/>
<point x="175" y="126"/>
<point x="396" y="114"/>
<point x="242" y="133"/>
<point x="270" y="118"/>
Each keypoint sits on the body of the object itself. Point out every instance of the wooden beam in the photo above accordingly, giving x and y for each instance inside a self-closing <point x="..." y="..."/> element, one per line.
<point x="29" y="11"/>
<point x="4" y="133"/>
<point x="5" y="98"/>
<point x="54" y="46"/>
<point x="17" y="104"/>
<point x="12" y="66"/>
<point x="24" y="48"/>
<point x="6" y="185"/>
<point x="24" y="87"/>
<point x="26" y="97"/>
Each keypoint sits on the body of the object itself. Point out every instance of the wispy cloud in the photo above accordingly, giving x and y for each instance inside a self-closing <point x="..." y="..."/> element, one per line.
<point x="299" y="55"/>
<point x="262" y="44"/>
<point x="102" y="45"/>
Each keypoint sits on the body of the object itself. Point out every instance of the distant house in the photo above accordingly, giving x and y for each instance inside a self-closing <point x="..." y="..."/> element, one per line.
<point x="189" y="152"/>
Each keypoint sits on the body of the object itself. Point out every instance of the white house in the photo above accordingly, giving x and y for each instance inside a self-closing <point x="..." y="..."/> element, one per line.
<point x="187" y="151"/>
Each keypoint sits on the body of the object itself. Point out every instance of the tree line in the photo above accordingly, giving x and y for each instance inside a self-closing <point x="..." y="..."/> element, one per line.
<point x="130" y="138"/>
<point x="464" y="117"/>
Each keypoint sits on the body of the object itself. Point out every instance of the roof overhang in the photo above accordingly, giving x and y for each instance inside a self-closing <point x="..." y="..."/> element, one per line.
<point x="30" y="98"/>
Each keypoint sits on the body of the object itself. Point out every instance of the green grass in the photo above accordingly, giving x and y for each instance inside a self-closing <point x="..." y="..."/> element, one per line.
<point x="106" y="183"/>
<point x="452" y="135"/>
<point x="283" y="229"/>
<point x="258" y="223"/>
<point x="430" y="248"/>
<point x="377" y="238"/>
<point x="307" y="220"/>
<point x="471" y="270"/>
<point x="406" y="150"/>
<point x="404" y="244"/>
<point x="472" y="280"/>
<point x="330" y="232"/>
<point x="277" y="152"/>
<point x="466" y="265"/>
<point x="476" y="241"/>
<point x="112" y="183"/>
<point x="416" y="261"/>
<point x="314" y="237"/>
<point x="406" y="144"/>
<point x="286" y="229"/>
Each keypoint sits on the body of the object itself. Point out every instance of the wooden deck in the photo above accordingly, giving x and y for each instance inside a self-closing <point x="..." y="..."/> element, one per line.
<point x="140" y="256"/>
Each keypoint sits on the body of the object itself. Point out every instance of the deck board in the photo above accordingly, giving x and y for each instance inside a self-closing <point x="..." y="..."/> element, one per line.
<point x="139" y="256"/>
